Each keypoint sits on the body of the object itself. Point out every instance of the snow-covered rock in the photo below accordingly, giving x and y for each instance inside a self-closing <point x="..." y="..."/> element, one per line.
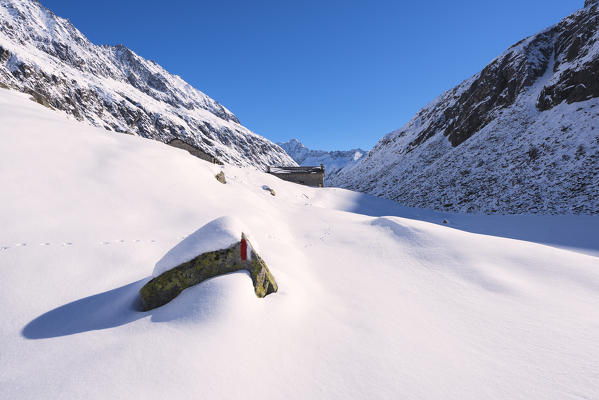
<point x="220" y="233"/>
<point x="210" y="252"/>
<point x="333" y="161"/>
<point x="521" y="136"/>
<point x="112" y="87"/>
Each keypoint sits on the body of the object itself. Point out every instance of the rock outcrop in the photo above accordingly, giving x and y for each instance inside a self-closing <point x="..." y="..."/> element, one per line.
<point x="221" y="177"/>
<point x="240" y="256"/>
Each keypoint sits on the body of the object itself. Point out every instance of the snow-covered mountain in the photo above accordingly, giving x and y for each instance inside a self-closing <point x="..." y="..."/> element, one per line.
<point x="112" y="87"/>
<point x="334" y="161"/>
<point x="521" y="136"/>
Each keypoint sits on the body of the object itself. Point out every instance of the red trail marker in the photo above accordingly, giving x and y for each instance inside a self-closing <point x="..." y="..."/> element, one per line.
<point x="244" y="249"/>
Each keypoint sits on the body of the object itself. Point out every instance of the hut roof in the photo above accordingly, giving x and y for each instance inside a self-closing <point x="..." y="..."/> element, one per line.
<point x="291" y="170"/>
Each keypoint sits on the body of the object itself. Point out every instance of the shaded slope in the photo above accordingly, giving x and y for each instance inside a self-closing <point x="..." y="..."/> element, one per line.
<point x="521" y="136"/>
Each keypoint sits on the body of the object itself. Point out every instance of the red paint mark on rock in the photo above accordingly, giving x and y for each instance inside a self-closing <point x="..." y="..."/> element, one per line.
<point x="244" y="249"/>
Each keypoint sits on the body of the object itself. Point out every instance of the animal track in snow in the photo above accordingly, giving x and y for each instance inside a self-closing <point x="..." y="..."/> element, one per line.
<point x="325" y="234"/>
<point x="103" y="242"/>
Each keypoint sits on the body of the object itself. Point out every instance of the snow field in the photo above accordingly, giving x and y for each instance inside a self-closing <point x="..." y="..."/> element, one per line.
<point x="375" y="300"/>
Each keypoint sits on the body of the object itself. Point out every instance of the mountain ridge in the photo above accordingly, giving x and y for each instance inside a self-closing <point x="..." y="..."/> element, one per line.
<point x="518" y="137"/>
<point x="113" y="87"/>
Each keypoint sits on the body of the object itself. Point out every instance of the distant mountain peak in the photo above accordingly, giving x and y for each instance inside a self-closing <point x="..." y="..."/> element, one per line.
<point x="333" y="161"/>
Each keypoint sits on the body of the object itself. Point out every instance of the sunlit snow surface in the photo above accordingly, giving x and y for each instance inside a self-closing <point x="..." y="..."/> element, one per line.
<point x="375" y="301"/>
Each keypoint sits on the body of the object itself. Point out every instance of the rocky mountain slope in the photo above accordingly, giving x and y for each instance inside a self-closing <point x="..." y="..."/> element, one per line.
<point x="112" y="87"/>
<point x="521" y="136"/>
<point x="334" y="161"/>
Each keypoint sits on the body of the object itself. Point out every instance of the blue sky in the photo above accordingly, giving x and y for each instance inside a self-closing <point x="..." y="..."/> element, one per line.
<point x="334" y="74"/>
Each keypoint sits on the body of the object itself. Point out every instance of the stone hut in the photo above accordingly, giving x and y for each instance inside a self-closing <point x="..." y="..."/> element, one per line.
<point x="195" y="151"/>
<point x="309" y="176"/>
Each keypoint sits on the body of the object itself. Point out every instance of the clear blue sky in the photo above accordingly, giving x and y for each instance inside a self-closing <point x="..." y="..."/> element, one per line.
<point x="334" y="74"/>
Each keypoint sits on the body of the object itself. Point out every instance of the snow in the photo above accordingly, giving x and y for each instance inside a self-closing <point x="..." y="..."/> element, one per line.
<point x="375" y="300"/>
<point x="221" y="233"/>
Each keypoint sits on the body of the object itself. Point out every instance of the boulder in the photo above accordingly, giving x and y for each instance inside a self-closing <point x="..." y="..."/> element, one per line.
<point x="240" y="256"/>
<point x="221" y="177"/>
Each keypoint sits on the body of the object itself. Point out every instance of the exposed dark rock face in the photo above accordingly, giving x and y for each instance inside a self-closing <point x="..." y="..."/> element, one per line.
<point x="495" y="88"/>
<point x="498" y="85"/>
<point x="521" y="136"/>
<point x="171" y="283"/>
<point x="575" y="86"/>
<point x="576" y="64"/>
<point x="114" y="88"/>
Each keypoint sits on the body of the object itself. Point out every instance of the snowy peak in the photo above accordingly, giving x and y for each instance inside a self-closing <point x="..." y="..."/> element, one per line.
<point x="518" y="137"/>
<point x="295" y="149"/>
<point x="334" y="161"/>
<point x="113" y="87"/>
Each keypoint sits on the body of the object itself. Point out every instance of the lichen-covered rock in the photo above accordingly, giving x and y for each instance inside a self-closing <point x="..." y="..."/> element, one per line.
<point x="169" y="284"/>
<point x="221" y="177"/>
<point x="263" y="280"/>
